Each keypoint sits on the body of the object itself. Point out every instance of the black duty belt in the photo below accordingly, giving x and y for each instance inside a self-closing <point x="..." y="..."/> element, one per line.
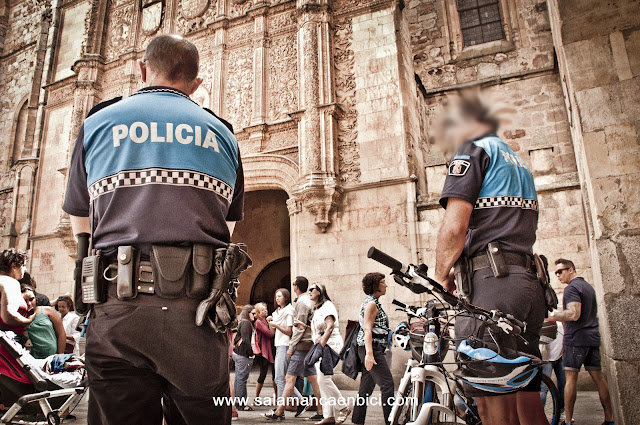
<point x="481" y="261"/>
<point x="144" y="276"/>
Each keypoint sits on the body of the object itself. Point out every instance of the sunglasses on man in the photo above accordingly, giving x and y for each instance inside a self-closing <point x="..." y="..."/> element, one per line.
<point x="560" y="271"/>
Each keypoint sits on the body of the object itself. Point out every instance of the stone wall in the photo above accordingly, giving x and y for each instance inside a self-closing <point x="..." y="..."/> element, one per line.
<point x="598" y="54"/>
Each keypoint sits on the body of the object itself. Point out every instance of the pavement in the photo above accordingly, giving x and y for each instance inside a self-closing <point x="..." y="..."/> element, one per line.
<point x="588" y="410"/>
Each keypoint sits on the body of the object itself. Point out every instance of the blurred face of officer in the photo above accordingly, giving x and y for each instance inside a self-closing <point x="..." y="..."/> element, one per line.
<point x="454" y="126"/>
<point x="171" y="61"/>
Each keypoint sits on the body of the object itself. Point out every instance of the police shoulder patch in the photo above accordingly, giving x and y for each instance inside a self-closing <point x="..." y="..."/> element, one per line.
<point x="459" y="167"/>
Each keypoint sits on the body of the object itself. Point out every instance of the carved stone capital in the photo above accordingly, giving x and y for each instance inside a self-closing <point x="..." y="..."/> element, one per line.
<point x="294" y="205"/>
<point x="65" y="234"/>
<point x="321" y="198"/>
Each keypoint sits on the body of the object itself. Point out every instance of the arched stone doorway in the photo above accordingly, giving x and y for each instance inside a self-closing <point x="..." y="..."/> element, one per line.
<point x="275" y="275"/>
<point x="265" y="231"/>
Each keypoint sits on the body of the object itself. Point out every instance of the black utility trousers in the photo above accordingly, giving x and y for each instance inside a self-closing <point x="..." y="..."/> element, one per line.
<point x="146" y="359"/>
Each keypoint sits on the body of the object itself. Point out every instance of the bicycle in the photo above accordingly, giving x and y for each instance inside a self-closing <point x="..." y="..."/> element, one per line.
<point x="428" y="393"/>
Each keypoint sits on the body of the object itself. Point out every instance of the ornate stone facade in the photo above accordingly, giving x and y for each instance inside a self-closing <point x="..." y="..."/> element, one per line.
<point x="332" y="102"/>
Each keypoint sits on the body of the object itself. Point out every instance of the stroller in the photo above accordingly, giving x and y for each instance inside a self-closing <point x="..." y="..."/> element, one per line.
<point x="45" y="387"/>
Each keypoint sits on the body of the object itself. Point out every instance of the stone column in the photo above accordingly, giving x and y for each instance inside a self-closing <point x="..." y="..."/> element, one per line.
<point x="317" y="130"/>
<point x="598" y="58"/>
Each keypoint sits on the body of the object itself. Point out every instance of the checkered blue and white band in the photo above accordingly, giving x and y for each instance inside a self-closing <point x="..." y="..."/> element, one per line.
<point x="507" y="201"/>
<point x="147" y="176"/>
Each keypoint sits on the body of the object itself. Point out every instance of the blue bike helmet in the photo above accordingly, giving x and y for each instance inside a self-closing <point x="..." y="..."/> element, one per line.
<point x="494" y="373"/>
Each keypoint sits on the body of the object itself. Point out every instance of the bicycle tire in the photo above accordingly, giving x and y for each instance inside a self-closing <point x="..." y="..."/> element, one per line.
<point x="401" y="414"/>
<point x="554" y="417"/>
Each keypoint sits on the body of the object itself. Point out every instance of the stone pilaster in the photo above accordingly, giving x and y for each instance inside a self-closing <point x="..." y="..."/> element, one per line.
<point x="219" y="64"/>
<point x="317" y="129"/>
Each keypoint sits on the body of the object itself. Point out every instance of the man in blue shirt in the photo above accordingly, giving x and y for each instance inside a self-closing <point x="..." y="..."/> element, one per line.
<point x="581" y="338"/>
<point x="156" y="172"/>
<point x="489" y="196"/>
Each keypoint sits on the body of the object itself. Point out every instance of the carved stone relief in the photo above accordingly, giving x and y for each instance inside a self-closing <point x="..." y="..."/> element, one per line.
<point x="239" y="90"/>
<point x="283" y="84"/>
<point x="120" y="31"/>
<point x="239" y="7"/>
<point x="281" y="22"/>
<point x="345" y="83"/>
<point x="193" y="8"/>
<point x="60" y="95"/>
<point x="282" y="139"/>
<point x="152" y="14"/>
<point x="194" y="15"/>
<point x="202" y="97"/>
<point x="240" y="34"/>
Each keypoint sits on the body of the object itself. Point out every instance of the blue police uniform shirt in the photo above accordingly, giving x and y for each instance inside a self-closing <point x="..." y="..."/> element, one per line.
<point x="158" y="169"/>
<point x="487" y="173"/>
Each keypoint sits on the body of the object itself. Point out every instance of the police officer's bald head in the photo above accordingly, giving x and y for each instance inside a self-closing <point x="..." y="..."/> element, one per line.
<point x="172" y="57"/>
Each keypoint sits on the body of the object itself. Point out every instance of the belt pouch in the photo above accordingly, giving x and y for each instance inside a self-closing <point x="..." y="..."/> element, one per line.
<point x="126" y="287"/>
<point x="201" y="275"/>
<point x="169" y="265"/>
<point x="462" y="275"/>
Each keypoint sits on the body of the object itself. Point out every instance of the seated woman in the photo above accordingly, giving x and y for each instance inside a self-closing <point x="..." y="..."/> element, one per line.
<point x="70" y="322"/>
<point x="14" y="382"/>
<point x="46" y="331"/>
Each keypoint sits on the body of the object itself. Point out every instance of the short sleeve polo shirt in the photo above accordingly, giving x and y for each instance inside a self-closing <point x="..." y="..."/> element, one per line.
<point x="488" y="174"/>
<point x="584" y="331"/>
<point x="158" y="169"/>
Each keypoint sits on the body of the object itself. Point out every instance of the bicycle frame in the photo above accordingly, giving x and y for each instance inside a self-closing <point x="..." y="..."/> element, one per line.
<point x="420" y="374"/>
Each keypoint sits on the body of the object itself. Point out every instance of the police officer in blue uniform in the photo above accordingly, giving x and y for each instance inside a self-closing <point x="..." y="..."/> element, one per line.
<point x="158" y="182"/>
<point x="491" y="216"/>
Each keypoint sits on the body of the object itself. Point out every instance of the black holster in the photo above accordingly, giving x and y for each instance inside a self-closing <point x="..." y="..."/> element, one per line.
<point x="462" y="273"/>
<point x="550" y="296"/>
<point x="219" y="308"/>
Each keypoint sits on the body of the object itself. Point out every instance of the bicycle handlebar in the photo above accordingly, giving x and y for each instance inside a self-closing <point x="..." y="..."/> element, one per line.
<point x="385" y="259"/>
<point x="404" y="275"/>
<point x="399" y="304"/>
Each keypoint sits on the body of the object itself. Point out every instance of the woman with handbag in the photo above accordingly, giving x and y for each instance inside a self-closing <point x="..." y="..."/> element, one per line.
<point x="243" y="356"/>
<point x="372" y="343"/>
<point x="326" y="332"/>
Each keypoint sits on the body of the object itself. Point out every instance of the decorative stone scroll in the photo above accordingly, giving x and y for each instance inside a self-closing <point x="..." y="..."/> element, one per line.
<point x="345" y="84"/>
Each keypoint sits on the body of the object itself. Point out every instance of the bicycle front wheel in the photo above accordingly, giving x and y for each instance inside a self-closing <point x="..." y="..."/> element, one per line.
<point x="552" y="406"/>
<point x="406" y="401"/>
